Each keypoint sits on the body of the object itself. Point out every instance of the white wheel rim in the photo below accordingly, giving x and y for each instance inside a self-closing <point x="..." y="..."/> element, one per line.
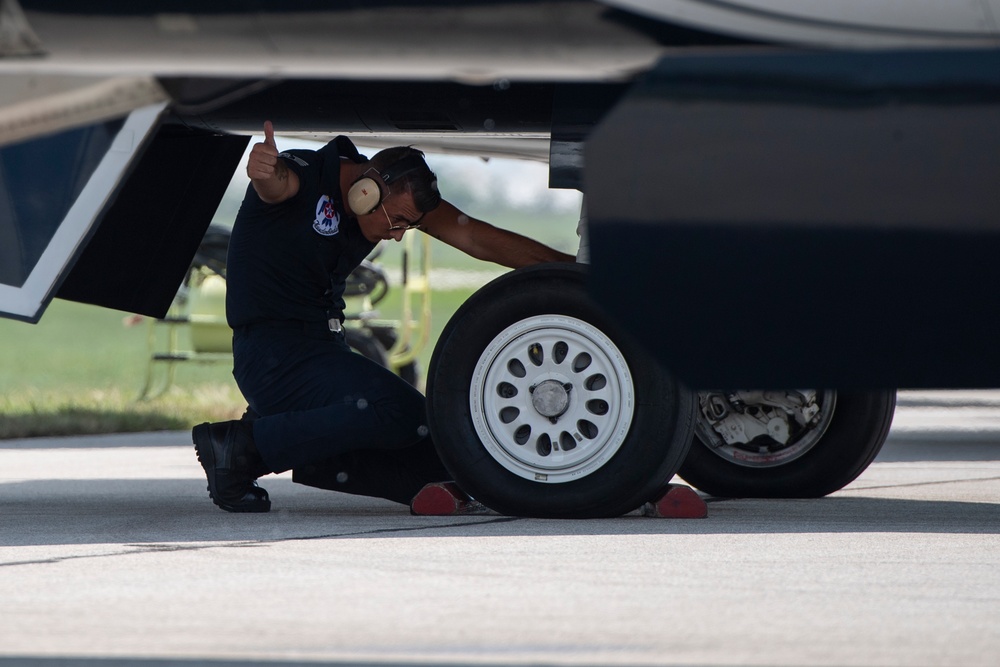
<point x="567" y="413"/>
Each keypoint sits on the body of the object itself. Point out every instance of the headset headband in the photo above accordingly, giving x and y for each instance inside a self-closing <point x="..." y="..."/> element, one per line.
<point x="400" y="168"/>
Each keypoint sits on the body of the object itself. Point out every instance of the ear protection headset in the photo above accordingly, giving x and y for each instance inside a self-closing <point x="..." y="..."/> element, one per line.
<point x="366" y="194"/>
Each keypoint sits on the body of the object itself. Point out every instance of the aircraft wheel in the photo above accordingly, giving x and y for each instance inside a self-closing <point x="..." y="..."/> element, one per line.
<point x="540" y="406"/>
<point x="785" y="444"/>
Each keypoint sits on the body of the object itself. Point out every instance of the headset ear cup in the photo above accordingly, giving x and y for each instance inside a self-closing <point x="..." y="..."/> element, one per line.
<point x="364" y="196"/>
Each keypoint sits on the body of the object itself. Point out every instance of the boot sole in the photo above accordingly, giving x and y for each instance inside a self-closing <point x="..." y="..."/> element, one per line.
<point x="202" y="437"/>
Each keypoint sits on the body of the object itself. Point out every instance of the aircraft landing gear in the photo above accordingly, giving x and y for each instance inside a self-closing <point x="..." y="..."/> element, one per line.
<point x="786" y="444"/>
<point x="540" y="406"/>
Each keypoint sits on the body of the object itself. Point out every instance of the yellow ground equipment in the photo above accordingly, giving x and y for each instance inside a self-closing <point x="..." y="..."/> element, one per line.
<point x="195" y="328"/>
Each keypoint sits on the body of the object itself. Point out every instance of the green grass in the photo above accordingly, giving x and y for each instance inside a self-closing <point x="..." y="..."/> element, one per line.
<point x="32" y="412"/>
<point x="81" y="369"/>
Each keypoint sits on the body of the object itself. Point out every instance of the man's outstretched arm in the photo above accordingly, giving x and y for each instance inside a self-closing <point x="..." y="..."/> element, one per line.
<point x="486" y="242"/>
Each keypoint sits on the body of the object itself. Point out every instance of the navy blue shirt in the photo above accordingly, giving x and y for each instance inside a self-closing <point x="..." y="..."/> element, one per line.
<point x="290" y="261"/>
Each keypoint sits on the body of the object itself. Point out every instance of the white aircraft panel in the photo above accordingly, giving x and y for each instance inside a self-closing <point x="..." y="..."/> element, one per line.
<point x="843" y="23"/>
<point x="32" y="106"/>
<point x="927" y="16"/>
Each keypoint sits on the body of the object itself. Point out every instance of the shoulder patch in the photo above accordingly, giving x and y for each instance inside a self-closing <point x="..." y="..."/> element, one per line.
<point x="294" y="158"/>
<point x="327" y="221"/>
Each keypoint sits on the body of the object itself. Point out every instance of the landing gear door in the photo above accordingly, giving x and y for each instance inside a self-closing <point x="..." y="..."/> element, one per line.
<point x="53" y="189"/>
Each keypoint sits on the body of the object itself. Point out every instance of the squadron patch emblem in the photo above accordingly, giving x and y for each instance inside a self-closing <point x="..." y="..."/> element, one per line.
<point x="327" y="219"/>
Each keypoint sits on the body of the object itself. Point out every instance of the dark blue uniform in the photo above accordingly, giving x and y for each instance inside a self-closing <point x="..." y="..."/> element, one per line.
<point x="336" y="419"/>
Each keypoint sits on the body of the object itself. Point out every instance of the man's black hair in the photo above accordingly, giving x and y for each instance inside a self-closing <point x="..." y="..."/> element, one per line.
<point x="421" y="182"/>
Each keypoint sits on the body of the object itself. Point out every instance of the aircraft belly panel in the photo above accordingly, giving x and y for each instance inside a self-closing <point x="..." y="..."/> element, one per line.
<point x="806" y="220"/>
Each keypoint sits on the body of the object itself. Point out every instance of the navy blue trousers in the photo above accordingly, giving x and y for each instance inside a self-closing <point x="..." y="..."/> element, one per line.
<point x="338" y="420"/>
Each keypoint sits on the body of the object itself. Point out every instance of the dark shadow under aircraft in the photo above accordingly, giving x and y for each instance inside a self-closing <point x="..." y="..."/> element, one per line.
<point x="777" y="194"/>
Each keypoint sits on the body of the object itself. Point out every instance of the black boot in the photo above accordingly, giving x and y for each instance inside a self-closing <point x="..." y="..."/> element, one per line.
<point x="231" y="462"/>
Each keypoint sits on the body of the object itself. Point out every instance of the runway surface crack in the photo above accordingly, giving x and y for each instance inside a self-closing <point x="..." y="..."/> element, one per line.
<point x="134" y="549"/>
<point x="916" y="484"/>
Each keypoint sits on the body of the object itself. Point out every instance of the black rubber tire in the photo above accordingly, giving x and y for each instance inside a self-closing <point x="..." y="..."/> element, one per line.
<point x="649" y="454"/>
<point x="856" y="433"/>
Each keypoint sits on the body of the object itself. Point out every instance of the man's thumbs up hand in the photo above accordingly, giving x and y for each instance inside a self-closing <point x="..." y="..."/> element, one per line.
<point x="270" y="176"/>
<point x="261" y="165"/>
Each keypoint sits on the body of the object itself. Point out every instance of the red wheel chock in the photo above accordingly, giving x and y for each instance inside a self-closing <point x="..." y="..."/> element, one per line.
<point x="676" y="502"/>
<point x="444" y="499"/>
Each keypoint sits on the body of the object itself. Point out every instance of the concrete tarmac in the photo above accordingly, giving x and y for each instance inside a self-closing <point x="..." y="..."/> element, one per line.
<point x="111" y="553"/>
